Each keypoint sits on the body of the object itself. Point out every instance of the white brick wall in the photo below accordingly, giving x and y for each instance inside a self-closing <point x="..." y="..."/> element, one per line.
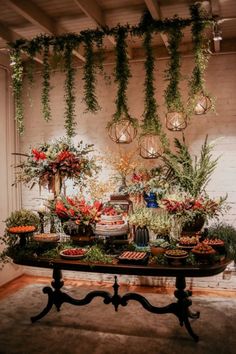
<point x="221" y="83"/>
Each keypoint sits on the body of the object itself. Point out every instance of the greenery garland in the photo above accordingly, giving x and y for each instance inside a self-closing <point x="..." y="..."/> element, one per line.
<point x="17" y="83"/>
<point x="122" y="75"/>
<point x="89" y="77"/>
<point x="201" y="57"/>
<point x="69" y="92"/>
<point x="151" y="122"/>
<point x="61" y="44"/>
<point x="172" y="92"/>
<point x="45" y="99"/>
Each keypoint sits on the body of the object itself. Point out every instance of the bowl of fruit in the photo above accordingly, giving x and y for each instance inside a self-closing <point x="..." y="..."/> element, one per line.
<point x="215" y="243"/>
<point x="73" y="253"/>
<point x="203" y="251"/>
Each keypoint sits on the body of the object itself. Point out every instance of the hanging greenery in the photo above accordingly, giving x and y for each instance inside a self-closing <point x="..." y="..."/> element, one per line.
<point x="89" y="77"/>
<point x="69" y="92"/>
<point x="45" y="99"/>
<point x="63" y="45"/>
<point x="151" y="122"/>
<point x="122" y="76"/>
<point x="17" y="83"/>
<point x="201" y="56"/>
<point x="173" y="75"/>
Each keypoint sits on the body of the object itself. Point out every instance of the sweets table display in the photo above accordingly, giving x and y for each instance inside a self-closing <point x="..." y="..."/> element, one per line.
<point x="180" y="308"/>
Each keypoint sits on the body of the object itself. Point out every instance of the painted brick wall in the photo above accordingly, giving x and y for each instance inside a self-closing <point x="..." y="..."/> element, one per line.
<point x="220" y="127"/>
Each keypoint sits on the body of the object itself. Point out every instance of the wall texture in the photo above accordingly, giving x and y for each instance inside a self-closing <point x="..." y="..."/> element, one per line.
<point x="220" y="127"/>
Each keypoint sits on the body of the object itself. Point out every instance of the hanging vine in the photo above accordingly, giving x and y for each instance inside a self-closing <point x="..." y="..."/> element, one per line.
<point x="64" y="44"/>
<point x="17" y="82"/>
<point x="89" y="77"/>
<point x="45" y="99"/>
<point x="201" y="57"/>
<point x="151" y="122"/>
<point x="122" y="76"/>
<point x="173" y="75"/>
<point x="69" y="93"/>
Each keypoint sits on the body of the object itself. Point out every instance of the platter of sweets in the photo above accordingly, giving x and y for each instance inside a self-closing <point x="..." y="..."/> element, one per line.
<point x="21" y="229"/>
<point x="203" y="250"/>
<point x="188" y="242"/>
<point x="46" y="237"/>
<point x="215" y="243"/>
<point x="176" y="254"/>
<point x="133" y="257"/>
<point x="73" y="253"/>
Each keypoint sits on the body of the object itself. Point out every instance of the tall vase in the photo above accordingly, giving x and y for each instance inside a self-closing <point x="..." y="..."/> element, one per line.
<point x="141" y="236"/>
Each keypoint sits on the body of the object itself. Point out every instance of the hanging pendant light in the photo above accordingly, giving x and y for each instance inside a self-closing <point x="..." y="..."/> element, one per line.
<point x="122" y="132"/>
<point x="203" y="104"/>
<point x="176" y="121"/>
<point x="150" y="146"/>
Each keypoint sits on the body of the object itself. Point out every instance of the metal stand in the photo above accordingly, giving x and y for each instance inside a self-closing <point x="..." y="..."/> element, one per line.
<point x="180" y="308"/>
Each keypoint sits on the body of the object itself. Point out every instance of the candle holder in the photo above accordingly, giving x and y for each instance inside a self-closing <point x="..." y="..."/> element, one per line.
<point x="150" y="146"/>
<point x="123" y="131"/>
<point x="176" y="121"/>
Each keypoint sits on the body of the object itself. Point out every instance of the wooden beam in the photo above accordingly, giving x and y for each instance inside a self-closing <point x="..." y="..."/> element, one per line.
<point x="92" y="10"/>
<point x="39" y="18"/>
<point x="11" y="36"/>
<point x="155" y="10"/>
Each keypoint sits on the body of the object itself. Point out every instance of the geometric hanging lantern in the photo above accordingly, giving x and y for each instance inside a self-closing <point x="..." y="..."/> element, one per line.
<point x="176" y="121"/>
<point x="150" y="146"/>
<point x="122" y="131"/>
<point x="203" y="105"/>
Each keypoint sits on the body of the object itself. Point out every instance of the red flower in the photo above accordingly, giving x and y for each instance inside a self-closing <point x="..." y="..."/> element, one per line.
<point x="63" y="155"/>
<point x="61" y="209"/>
<point x="38" y="155"/>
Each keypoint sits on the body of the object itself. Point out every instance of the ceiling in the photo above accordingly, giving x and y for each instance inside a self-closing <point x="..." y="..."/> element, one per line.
<point x="29" y="18"/>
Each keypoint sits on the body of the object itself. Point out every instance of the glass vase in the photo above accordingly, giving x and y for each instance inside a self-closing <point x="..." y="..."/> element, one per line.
<point x="176" y="229"/>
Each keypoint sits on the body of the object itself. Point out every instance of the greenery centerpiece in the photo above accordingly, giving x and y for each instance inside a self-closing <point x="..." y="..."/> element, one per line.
<point x="49" y="164"/>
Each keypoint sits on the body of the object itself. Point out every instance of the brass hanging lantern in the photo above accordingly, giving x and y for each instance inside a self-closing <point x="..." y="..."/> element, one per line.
<point x="176" y="121"/>
<point x="203" y="104"/>
<point x="122" y="132"/>
<point x="150" y="146"/>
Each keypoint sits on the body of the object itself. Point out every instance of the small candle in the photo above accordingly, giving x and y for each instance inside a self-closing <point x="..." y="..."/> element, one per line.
<point x="123" y="138"/>
<point x="151" y="151"/>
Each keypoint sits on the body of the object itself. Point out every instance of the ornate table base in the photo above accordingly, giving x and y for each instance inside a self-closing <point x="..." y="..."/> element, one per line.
<point x="180" y="308"/>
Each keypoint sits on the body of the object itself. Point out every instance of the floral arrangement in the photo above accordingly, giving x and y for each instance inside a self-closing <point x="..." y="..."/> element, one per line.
<point x="189" y="207"/>
<point x="78" y="210"/>
<point x="146" y="181"/>
<point x="160" y="224"/>
<point x="50" y="163"/>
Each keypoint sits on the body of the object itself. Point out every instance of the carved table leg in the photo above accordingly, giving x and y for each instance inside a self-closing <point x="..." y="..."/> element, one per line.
<point x="54" y="297"/>
<point x="183" y="304"/>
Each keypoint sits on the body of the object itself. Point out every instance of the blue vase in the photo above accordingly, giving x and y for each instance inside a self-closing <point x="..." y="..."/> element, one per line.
<point x="151" y="200"/>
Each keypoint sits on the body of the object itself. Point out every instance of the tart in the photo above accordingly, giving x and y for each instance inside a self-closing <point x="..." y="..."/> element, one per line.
<point x="214" y="242"/>
<point x="73" y="253"/>
<point x="21" y="229"/>
<point x="176" y="253"/>
<point x="188" y="241"/>
<point x="50" y="237"/>
<point x="203" y="249"/>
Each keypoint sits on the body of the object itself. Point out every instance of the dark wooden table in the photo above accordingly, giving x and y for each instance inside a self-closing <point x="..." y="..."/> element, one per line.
<point x="180" y="308"/>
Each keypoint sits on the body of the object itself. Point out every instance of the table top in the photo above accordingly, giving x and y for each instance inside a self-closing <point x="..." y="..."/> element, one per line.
<point x="198" y="270"/>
